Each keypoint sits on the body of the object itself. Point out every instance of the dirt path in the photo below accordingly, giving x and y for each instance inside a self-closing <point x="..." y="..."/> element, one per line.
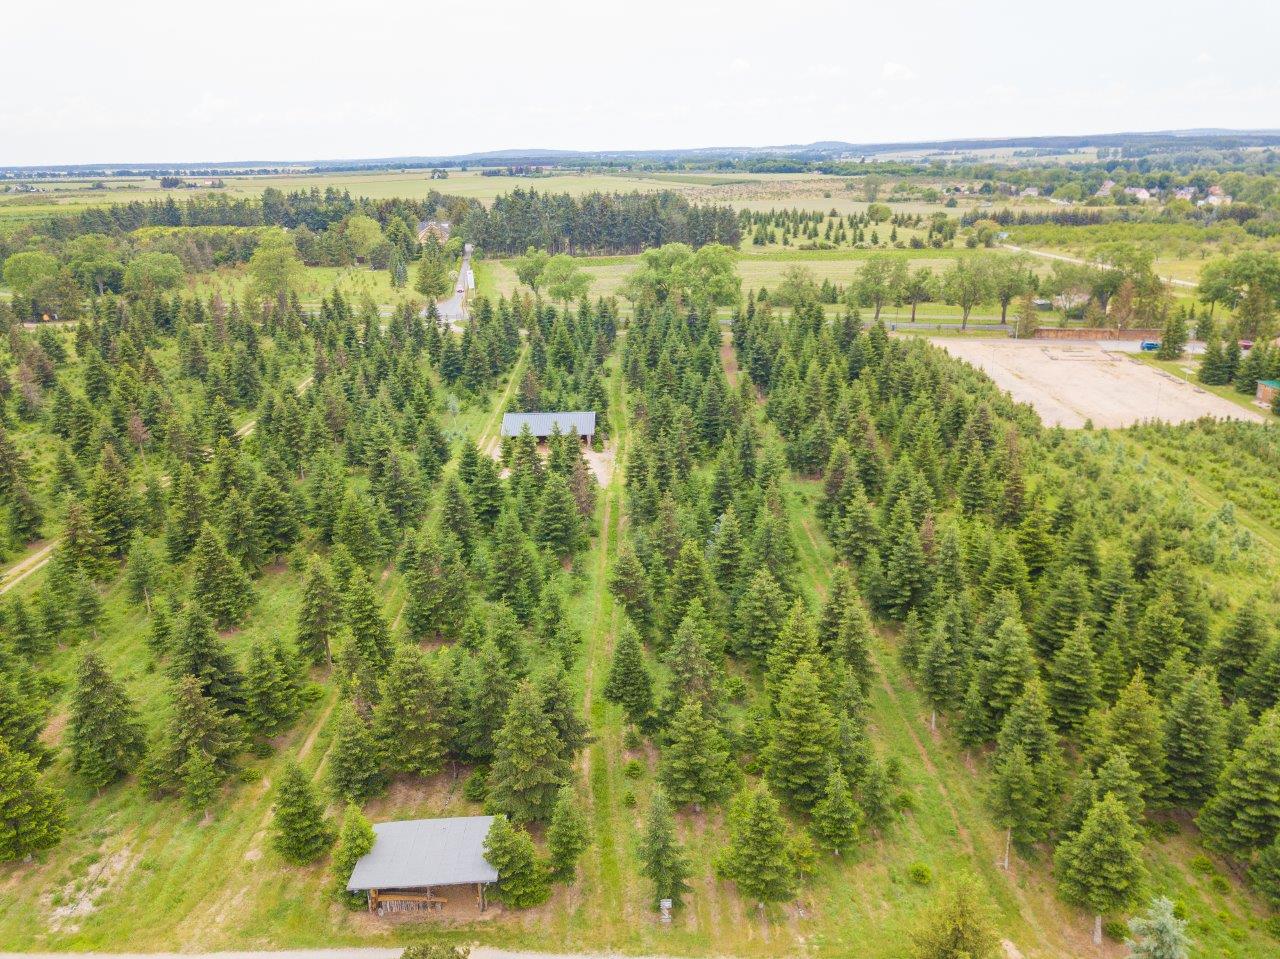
<point x="19" y="571"/>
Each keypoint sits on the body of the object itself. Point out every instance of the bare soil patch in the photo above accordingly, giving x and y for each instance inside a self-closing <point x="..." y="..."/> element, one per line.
<point x="1071" y="383"/>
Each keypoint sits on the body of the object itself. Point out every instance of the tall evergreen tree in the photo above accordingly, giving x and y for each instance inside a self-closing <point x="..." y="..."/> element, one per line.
<point x="321" y="614"/>
<point x="757" y="855"/>
<point x="32" y="814"/>
<point x="567" y="836"/>
<point x="1244" y="813"/>
<point x="663" y="860"/>
<point x="1073" y="681"/>
<point x="837" y="820"/>
<point x="1195" y="740"/>
<point x="630" y="684"/>
<point x="803" y="740"/>
<point x="411" y="713"/>
<point x="197" y="651"/>
<point x="528" y="760"/>
<point x="696" y="766"/>
<point x="355" y="772"/>
<point x="299" y="832"/>
<point x="218" y="583"/>
<point x="1100" y="867"/>
<point x="355" y="840"/>
<point x="522" y="878"/>
<point x="103" y="730"/>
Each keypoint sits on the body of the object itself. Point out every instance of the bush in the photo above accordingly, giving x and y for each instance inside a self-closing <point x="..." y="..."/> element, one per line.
<point x="920" y="874"/>
<point x="632" y="739"/>
<point x="629" y="799"/>
<point x="476" y="788"/>
<point x="1272" y="925"/>
<point x="633" y="769"/>
<point x="1117" y="930"/>
<point x="903" y="801"/>
<point x="1202" y="866"/>
<point x="1219" y="883"/>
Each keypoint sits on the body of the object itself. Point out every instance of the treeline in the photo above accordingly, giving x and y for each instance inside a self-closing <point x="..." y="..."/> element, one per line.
<point x="1048" y="604"/>
<point x="596" y="223"/>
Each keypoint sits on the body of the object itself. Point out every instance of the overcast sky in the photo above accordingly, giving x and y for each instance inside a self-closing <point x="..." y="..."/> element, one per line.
<point x="143" y="81"/>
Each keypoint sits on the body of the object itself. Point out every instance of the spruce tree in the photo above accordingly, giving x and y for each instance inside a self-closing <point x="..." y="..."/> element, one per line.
<point x="522" y="878"/>
<point x="629" y="585"/>
<point x="143" y="572"/>
<point x="32" y="814"/>
<point x="1073" y="681"/>
<point x="1195" y="740"/>
<point x="218" y="583"/>
<point x="1135" y="724"/>
<point x="197" y="745"/>
<point x="803" y="740"/>
<point x="411" y="714"/>
<point x="528" y="760"/>
<point x="355" y="840"/>
<point x="837" y="820"/>
<point x="1100" y="867"/>
<point x="696" y="767"/>
<point x="564" y="711"/>
<point x="321" y="614"/>
<point x="558" y="526"/>
<point x="761" y="612"/>
<point x="355" y="771"/>
<point x="630" y="685"/>
<point x="435" y="587"/>
<point x="299" y="832"/>
<point x="567" y="836"/>
<point x="269" y="700"/>
<point x="1240" y="645"/>
<point x="1244" y="813"/>
<point x="758" y="855"/>
<point x="103" y="731"/>
<point x="198" y="652"/>
<point x="362" y="612"/>
<point x="959" y="927"/>
<point x="663" y="860"/>
<point x="1158" y="933"/>
<point x="1017" y="800"/>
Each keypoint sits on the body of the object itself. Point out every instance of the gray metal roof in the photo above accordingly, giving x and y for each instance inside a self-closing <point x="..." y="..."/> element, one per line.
<point x="541" y="424"/>
<point x="425" y="852"/>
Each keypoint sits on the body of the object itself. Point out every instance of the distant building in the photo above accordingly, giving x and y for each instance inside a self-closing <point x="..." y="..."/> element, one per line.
<point x="1030" y="191"/>
<point x="542" y="425"/>
<point x="440" y="229"/>
<point x="1106" y="188"/>
<point x="1267" y="391"/>
<point x="1215" y="199"/>
<point x="1185" y="193"/>
<point x="1139" y="193"/>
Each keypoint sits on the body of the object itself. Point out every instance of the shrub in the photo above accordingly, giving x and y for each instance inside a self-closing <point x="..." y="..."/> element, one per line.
<point x="629" y="799"/>
<point x="920" y="874"/>
<point x="633" y="769"/>
<point x="1117" y="930"/>
<point x="476" y="788"/>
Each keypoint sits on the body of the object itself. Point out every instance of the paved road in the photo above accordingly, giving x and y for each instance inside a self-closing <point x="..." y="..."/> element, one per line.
<point x="454" y="309"/>
<point x="1185" y="284"/>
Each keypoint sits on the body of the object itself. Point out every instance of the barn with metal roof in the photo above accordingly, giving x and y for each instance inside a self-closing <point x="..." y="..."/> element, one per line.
<point x="542" y="425"/>
<point x="412" y="858"/>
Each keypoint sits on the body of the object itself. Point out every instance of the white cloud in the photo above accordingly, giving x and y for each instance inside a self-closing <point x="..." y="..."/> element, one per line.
<point x="1204" y="57"/>
<point x="897" y="71"/>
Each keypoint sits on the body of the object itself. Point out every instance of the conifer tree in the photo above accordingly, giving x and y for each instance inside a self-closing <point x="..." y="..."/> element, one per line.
<point x="355" y="840"/>
<point x="321" y="614"/>
<point x="1060" y="612"/>
<point x="362" y="612"/>
<point x="269" y="698"/>
<point x="355" y="772"/>
<point x="528" y="760"/>
<point x="275" y="517"/>
<point x="218" y="584"/>
<point x="803" y="740"/>
<point x="761" y="612"/>
<point x="630" y="685"/>
<point x="1240" y="645"/>
<point x="1158" y="933"/>
<point x="663" y="860"/>
<point x="196" y="746"/>
<point x="143" y="571"/>
<point x="564" y="712"/>
<point x="558" y="527"/>
<point x="435" y="587"/>
<point x="1017" y="800"/>
<point x="411" y="713"/>
<point x="514" y="570"/>
<point x="103" y="730"/>
<point x="1244" y="813"/>
<point x="356" y="530"/>
<point x="629" y="584"/>
<point x="299" y="832"/>
<point x="1135" y="724"/>
<point x="33" y="814"/>
<point x="522" y="879"/>
<point x="758" y="855"/>
<point x="567" y="836"/>
<point x="1195" y="740"/>
<point x="1073" y="681"/>
<point x="960" y="927"/>
<point x="197" y="651"/>
<point x="1100" y="867"/>
<point x="186" y="514"/>
<point x="696" y="767"/>
<point x="837" y="820"/>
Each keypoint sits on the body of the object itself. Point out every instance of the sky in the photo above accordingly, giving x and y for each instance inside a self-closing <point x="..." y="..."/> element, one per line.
<point x="143" y="81"/>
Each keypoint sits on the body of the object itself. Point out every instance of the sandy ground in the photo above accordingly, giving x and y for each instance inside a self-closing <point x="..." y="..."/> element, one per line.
<point x="1068" y="383"/>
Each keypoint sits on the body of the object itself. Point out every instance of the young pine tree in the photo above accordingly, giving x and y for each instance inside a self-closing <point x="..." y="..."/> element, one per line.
<point x="299" y="832"/>
<point x="321" y="615"/>
<point x="103" y="732"/>
<point x="1100" y="867"/>
<point x="662" y="857"/>
<point x="355" y="839"/>
<point x="522" y="878"/>
<point x="758" y="854"/>
<point x="696" y="767"/>
<point x="837" y="820"/>
<point x="355" y="771"/>
<point x="411" y="713"/>
<point x="567" y="836"/>
<point x="32" y="813"/>
<point x="528" y="761"/>
<point x="218" y="583"/>
<point x="630" y="684"/>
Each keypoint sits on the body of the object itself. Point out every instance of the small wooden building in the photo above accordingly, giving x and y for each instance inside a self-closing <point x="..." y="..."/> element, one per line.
<point x="542" y="425"/>
<point x="1267" y="390"/>
<point x="415" y="862"/>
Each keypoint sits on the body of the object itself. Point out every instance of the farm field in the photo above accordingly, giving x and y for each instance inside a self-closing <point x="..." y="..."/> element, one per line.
<point x="1069" y="384"/>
